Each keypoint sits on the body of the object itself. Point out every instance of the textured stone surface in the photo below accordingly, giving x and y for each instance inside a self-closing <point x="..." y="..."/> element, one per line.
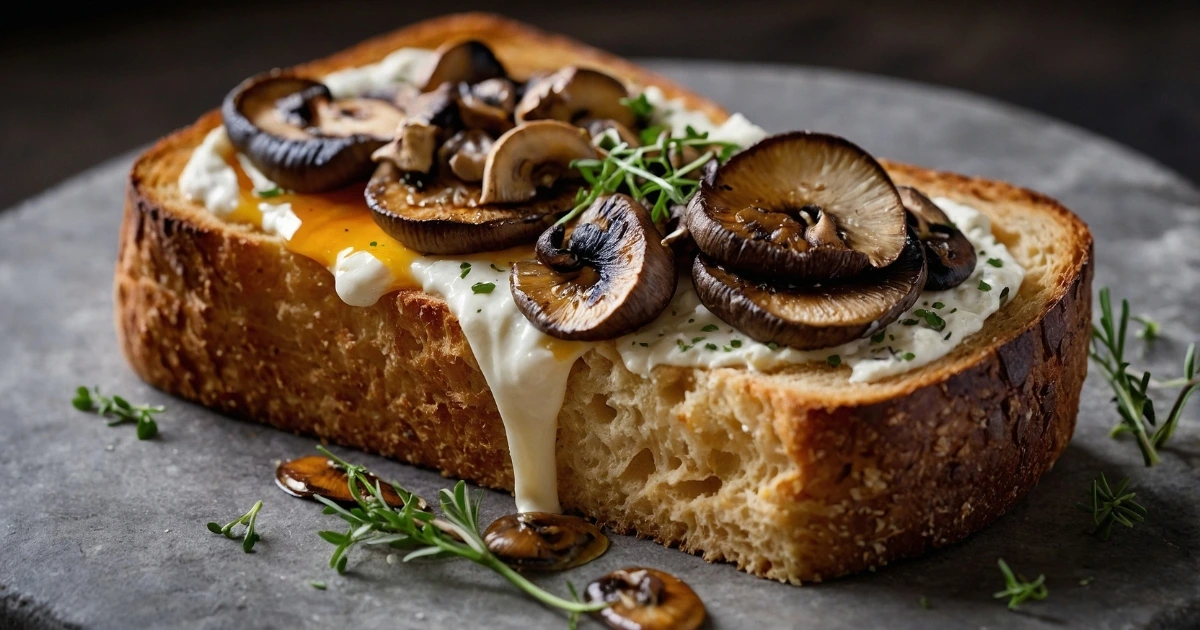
<point x="100" y="530"/>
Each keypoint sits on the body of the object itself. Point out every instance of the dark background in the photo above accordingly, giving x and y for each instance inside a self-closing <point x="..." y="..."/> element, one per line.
<point x="81" y="85"/>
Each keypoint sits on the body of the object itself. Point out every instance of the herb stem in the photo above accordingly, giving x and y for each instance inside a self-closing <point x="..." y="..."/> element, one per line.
<point x="531" y="589"/>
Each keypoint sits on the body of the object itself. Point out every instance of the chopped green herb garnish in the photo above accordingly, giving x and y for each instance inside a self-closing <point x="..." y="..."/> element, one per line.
<point x="910" y="322"/>
<point x="710" y="346"/>
<point x="683" y="347"/>
<point x="317" y="584"/>
<point x="267" y="194"/>
<point x="711" y="328"/>
<point x="1004" y="295"/>
<point x="118" y="410"/>
<point x="642" y="108"/>
<point x="1108" y="506"/>
<point x="737" y="343"/>
<point x="1018" y="590"/>
<point x="947" y="337"/>
<point x="878" y="337"/>
<point x="643" y="344"/>
<point x="908" y="356"/>
<point x="995" y="262"/>
<point x="249" y="536"/>
<point x="954" y="310"/>
<point x="483" y="287"/>
<point x="495" y="268"/>
<point x="833" y="360"/>
<point x="939" y="305"/>
<point x="772" y="345"/>
<point x="374" y="243"/>
<point x="697" y="339"/>
<point x="933" y="320"/>
<point x="466" y="269"/>
<point x="984" y="286"/>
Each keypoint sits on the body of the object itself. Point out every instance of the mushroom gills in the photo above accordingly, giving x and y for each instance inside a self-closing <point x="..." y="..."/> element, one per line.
<point x="540" y="541"/>
<point x="300" y="137"/>
<point x="948" y="253"/>
<point x="608" y="276"/>
<point x="645" y="599"/>
<point x="799" y="207"/>
<point x="814" y="316"/>
<point x="530" y="157"/>
<point x="315" y="475"/>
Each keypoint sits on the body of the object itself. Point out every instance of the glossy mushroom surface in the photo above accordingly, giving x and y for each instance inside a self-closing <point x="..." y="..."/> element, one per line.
<point x="532" y="157"/>
<point x="540" y="541"/>
<point x="300" y="137"/>
<point x="948" y="253"/>
<point x="469" y="61"/>
<point x="813" y="316"/>
<point x="645" y="599"/>
<point x="316" y="475"/>
<point x="573" y="94"/>
<point x="429" y="119"/>
<point x="799" y="207"/>
<point x="607" y="275"/>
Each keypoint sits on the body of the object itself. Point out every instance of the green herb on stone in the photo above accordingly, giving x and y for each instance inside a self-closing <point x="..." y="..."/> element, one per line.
<point x="248" y="536"/>
<point x="118" y="410"/>
<point x="1019" y="590"/>
<point x="1109" y="506"/>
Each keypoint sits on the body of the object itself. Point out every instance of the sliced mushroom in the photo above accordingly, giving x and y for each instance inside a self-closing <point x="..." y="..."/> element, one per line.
<point x="445" y="216"/>
<point x="572" y="94"/>
<point x="948" y="253"/>
<point x="799" y="207"/>
<point x="417" y="137"/>
<point x="598" y="127"/>
<point x="645" y="599"/>
<point x="470" y="61"/>
<point x="316" y="475"/>
<point x="300" y="137"/>
<point x="815" y="316"/>
<point x="539" y="541"/>
<point x="532" y="156"/>
<point x="465" y="154"/>
<point x="611" y="276"/>
<point x="487" y="105"/>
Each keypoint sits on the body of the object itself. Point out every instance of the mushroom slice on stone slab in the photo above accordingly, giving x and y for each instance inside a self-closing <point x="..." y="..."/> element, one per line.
<point x="300" y="137"/>
<point x="573" y="94"/>
<point x="605" y="277"/>
<point x="540" y="541"/>
<point x="948" y="253"/>
<point x="469" y="61"/>
<point x="799" y="207"/>
<point x="530" y="157"/>
<point x="813" y="316"/>
<point x="645" y="599"/>
<point x="316" y="475"/>
<point x="445" y="215"/>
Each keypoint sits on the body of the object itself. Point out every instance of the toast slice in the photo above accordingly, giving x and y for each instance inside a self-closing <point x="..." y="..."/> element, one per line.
<point x="795" y="475"/>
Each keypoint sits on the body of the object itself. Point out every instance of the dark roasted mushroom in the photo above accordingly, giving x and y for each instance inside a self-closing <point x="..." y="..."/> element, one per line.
<point x="598" y="127"/>
<point x="813" y="316"/>
<point x="949" y="255"/>
<point x="300" y="137"/>
<point x="316" y="475"/>
<point x="799" y="207"/>
<point x="470" y="61"/>
<point x="532" y="156"/>
<point x="645" y="599"/>
<point x="539" y="541"/>
<point x="609" y="277"/>
<point x="427" y="119"/>
<point x="487" y="105"/>
<point x="573" y="94"/>
<point x="465" y="154"/>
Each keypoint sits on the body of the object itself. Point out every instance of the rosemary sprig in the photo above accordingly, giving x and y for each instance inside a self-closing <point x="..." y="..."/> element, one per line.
<point x="249" y="536"/>
<point x="453" y="534"/>
<point x="1133" y="403"/>
<point x="646" y="172"/>
<point x="118" y="410"/>
<point x="1017" y="589"/>
<point x="1109" y="506"/>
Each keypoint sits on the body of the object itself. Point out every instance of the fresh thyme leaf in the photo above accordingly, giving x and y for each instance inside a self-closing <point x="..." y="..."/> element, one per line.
<point x="683" y="347"/>
<point x="710" y="328"/>
<point x="908" y="356"/>
<point x="710" y="346"/>
<point x="1108" y="506"/>
<point x="1018" y="590"/>
<point x="939" y="305"/>
<point x="933" y="320"/>
<point x="483" y="287"/>
<point x="118" y="410"/>
<point x="984" y="286"/>
<point x="249" y="536"/>
<point x="455" y="533"/>
<point x="642" y="108"/>
<point x="317" y="584"/>
<point x="267" y="194"/>
<point x="466" y="269"/>
<point x="995" y="262"/>
<point x="1133" y="402"/>
<point x="736" y="343"/>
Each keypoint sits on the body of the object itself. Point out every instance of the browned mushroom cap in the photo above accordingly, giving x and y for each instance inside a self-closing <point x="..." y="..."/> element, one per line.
<point x="799" y="206"/>
<point x="540" y="541"/>
<point x="470" y="61"/>
<point x="465" y="154"/>
<point x="487" y="105"/>
<point x="446" y="216"/>
<point x="645" y="599"/>
<point x="300" y="137"/>
<point x="532" y="156"/>
<point x="948" y="253"/>
<point x="572" y="94"/>
<point x="817" y="316"/>
<point x="610" y="277"/>
<point x="425" y="123"/>
<point x="598" y="127"/>
<point x="316" y="475"/>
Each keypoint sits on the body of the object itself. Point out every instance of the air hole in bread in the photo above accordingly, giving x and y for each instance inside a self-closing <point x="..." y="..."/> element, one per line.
<point x="640" y="467"/>
<point x="694" y="489"/>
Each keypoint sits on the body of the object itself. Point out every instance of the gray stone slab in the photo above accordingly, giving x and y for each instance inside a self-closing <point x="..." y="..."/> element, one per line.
<point x="100" y="530"/>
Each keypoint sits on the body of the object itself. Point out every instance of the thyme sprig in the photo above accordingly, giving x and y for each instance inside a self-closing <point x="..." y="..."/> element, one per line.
<point x="453" y="534"/>
<point x="1108" y="506"/>
<point x="249" y="536"/>
<point x="1019" y="590"/>
<point x="646" y="173"/>
<point x="118" y="410"/>
<point x="1133" y="403"/>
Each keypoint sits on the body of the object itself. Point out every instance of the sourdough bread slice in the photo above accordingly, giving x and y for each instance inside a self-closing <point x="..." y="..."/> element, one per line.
<point x="796" y="475"/>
